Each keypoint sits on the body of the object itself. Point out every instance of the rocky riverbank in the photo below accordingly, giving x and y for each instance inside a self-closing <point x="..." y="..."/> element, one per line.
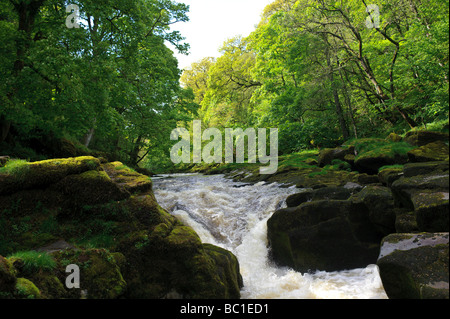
<point x="103" y="218"/>
<point x="374" y="201"/>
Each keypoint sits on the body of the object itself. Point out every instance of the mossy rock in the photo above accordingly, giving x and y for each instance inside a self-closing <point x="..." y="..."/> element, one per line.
<point x="327" y="155"/>
<point x="127" y="178"/>
<point x="90" y="188"/>
<point x="100" y="276"/>
<point x="425" y="168"/>
<point x="141" y="250"/>
<point x="415" y="266"/>
<point x="432" y="210"/>
<point x="436" y="151"/>
<point x="228" y="269"/>
<point x="295" y="200"/>
<point x="146" y="210"/>
<point x="421" y="138"/>
<point x="388" y="176"/>
<point x="50" y="286"/>
<point x="44" y="173"/>
<point x="25" y="289"/>
<point x="373" y="160"/>
<point x="172" y="262"/>
<point x="7" y="278"/>
<point x="406" y="221"/>
<point x="393" y="137"/>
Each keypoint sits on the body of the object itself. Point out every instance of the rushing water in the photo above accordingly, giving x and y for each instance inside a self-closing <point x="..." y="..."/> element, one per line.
<point x="234" y="216"/>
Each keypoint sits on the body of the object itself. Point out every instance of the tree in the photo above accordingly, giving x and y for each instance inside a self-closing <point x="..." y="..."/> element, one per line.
<point x="227" y="102"/>
<point x="111" y="83"/>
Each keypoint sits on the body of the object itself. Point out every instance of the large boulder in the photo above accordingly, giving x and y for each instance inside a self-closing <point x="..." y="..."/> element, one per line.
<point x="44" y="173"/>
<point x="428" y="196"/>
<point x="331" y="193"/>
<point x="421" y="138"/>
<point x="371" y="161"/>
<point x="415" y="169"/>
<point x="88" y="213"/>
<point x="379" y="202"/>
<point x="327" y="235"/>
<point x="415" y="266"/>
<point x="373" y="153"/>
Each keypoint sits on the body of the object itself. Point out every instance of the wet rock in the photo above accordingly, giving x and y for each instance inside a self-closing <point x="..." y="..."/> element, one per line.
<point x="327" y="235"/>
<point x="406" y="221"/>
<point x="379" y="202"/>
<point x="299" y="198"/>
<point x="390" y="175"/>
<point x="330" y="193"/>
<point x="415" y="266"/>
<point x="415" y="169"/>
<point x="427" y="195"/>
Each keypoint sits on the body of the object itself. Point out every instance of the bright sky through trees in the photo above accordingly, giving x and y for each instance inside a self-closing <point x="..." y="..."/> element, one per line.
<point x="214" y="21"/>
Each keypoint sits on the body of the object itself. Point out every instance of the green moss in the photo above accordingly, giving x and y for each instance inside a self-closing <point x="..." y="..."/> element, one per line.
<point x="391" y="167"/>
<point x="44" y="173"/>
<point x="183" y="236"/>
<point x="49" y="286"/>
<point x="436" y="151"/>
<point x="26" y="289"/>
<point x="227" y="268"/>
<point x="17" y="168"/>
<point x="127" y="178"/>
<point x="34" y="261"/>
<point x="100" y="275"/>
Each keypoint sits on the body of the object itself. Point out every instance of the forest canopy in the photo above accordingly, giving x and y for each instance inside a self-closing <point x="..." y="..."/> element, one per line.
<point x="322" y="72"/>
<point x="327" y="71"/>
<point x="108" y="82"/>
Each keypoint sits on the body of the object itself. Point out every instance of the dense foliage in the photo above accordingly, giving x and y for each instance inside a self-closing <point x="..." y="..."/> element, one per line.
<point x="106" y="79"/>
<point x="324" y="71"/>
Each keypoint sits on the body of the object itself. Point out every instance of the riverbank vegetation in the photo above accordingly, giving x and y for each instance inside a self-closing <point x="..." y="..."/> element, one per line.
<point x="324" y="73"/>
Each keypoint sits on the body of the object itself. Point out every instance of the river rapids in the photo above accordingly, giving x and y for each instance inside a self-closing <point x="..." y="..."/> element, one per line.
<point x="234" y="216"/>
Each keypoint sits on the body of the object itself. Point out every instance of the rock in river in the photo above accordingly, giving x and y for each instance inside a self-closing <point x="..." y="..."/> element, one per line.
<point x="415" y="266"/>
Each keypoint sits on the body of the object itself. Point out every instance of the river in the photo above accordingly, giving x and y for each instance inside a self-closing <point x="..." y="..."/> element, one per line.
<point x="234" y="216"/>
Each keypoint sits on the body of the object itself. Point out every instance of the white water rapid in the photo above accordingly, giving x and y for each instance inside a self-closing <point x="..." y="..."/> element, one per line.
<point x="234" y="216"/>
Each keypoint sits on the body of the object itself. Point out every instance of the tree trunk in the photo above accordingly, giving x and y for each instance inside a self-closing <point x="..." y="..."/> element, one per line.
<point x="27" y="12"/>
<point x="134" y="155"/>
<point x="4" y="128"/>
<point x="89" y="134"/>
<point x="348" y="101"/>
<point x="88" y="137"/>
<point x="337" y="101"/>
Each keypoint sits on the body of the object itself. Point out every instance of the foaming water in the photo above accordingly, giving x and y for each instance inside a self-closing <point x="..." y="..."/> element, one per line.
<point x="234" y="216"/>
